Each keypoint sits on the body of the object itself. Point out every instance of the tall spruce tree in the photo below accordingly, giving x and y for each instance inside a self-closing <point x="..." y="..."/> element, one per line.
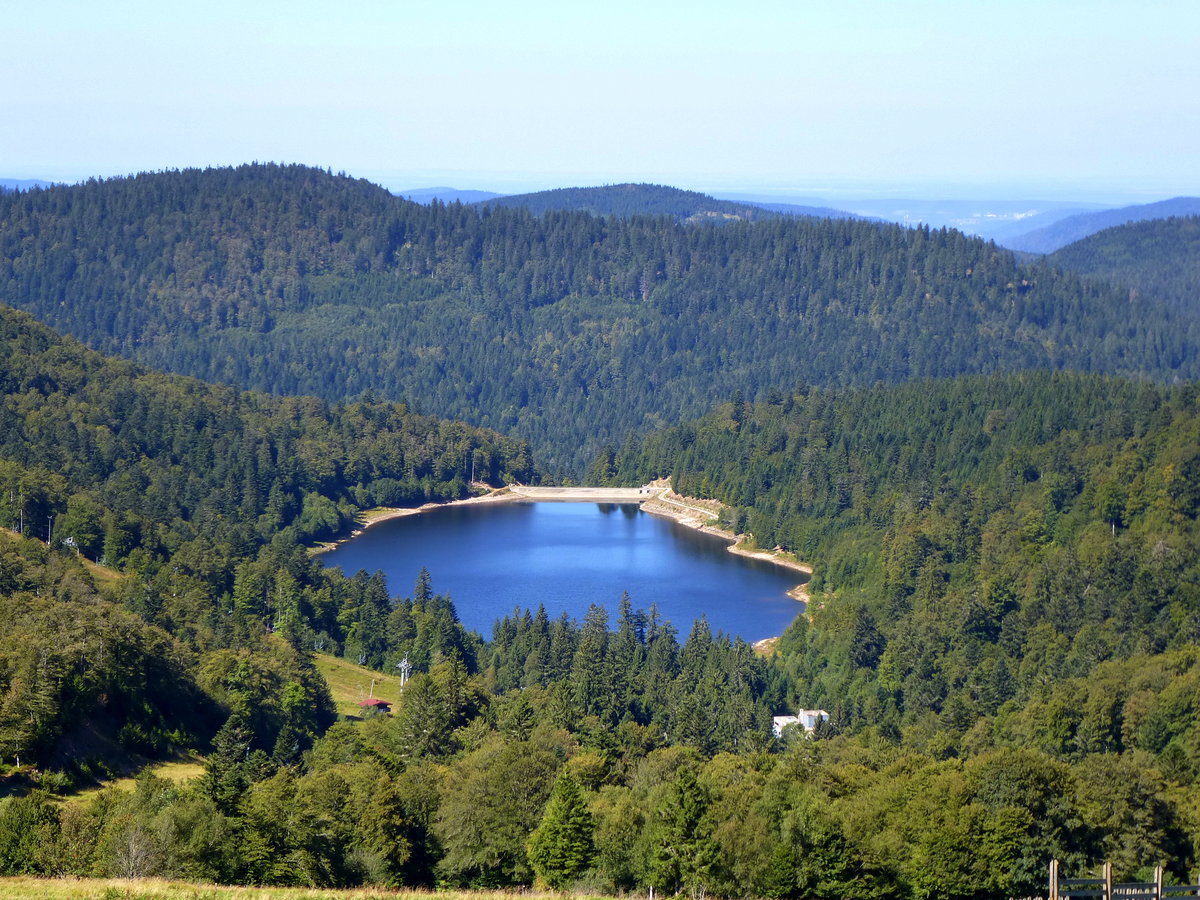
<point x="685" y="853"/>
<point x="561" y="848"/>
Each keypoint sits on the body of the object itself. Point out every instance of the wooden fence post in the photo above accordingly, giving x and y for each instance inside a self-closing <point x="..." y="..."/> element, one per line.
<point x="1158" y="882"/>
<point x="1054" y="879"/>
<point x="1108" y="881"/>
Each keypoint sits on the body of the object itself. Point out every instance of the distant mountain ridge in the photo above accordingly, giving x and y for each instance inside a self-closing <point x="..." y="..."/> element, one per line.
<point x="991" y="219"/>
<point x="19" y="184"/>
<point x="999" y="228"/>
<point x="630" y="199"/>
<point x="660" y="200"/>
<point x="817" y="212"/>
<point x="446" y="195"/>
<point x="624" y="200"/>
<point x="1074" y="228"/>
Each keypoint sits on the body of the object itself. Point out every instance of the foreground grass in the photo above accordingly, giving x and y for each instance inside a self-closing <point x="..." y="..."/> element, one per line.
<point x="155" y="889"/>
<point x="350" y="684"/>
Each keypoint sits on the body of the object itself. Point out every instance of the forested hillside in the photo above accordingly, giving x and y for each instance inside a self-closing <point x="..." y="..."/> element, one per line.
<point x="568" y="330"/>
<point x="1158" y="258"/>
<point x="1005" y="605"/>
<point x="200" y="496"/>
<point x="1003" y="627"/>
<point x="999" y="561"/>
<point x="208" y="612"/>
<point x="126" y="459"/>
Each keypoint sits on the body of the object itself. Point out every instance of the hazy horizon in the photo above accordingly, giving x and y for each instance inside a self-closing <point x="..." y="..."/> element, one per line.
<point x="1097" y="193"/>
<point x="1016" y="100"/>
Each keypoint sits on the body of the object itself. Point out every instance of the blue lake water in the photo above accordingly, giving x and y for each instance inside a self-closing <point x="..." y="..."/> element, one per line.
<point x="494" y="558"/>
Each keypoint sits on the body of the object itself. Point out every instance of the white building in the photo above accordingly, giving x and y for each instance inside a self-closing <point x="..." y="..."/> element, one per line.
<point x="805" y="718"/>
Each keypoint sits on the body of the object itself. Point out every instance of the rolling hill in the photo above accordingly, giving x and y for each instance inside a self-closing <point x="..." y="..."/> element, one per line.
<point x="1159" y="258"/>
<point x="1004" y="622"/>
<point x="626" y="200"/>
<point x="19" y="184"/>
<point x="446" y="195"/>
<point x="199" y="495"/>
<point x="658" y="200"/>
<point x="567" y="329"/>
<point x="820" y="212"/>
<point x="1073" y="228"/>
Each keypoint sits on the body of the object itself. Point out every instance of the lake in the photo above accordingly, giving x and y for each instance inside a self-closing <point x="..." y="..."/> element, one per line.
<point x="494" y="558"/>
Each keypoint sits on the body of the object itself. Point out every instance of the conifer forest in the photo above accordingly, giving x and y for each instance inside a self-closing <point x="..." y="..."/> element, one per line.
<point x="991" y="464"/>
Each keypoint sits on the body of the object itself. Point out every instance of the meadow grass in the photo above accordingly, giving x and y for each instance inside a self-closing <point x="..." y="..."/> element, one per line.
<point x="157" y="889"/>
<point x="179" y="771"/>
<point x="103" y="574"/>
<point x="350" y="683"/>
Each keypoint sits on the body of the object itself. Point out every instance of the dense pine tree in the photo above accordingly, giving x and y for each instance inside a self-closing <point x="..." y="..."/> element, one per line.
<point x="561" y="847"/>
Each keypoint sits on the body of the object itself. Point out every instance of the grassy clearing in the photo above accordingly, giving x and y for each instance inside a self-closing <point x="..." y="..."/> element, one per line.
<point x="154" y="889"/>
<point x="103" y="574"/>
<point x="179" y="771"/>
<point x="350" y="683"/>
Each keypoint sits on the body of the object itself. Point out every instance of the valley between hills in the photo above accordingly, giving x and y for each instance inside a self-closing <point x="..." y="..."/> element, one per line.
<point x="990" y="463"/>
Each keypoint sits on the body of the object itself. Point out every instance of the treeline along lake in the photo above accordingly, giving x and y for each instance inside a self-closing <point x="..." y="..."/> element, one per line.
<point x="494" y="558"/>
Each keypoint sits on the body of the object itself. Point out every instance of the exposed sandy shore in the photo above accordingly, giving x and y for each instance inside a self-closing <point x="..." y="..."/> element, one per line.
<point x="369" y="517"/>
<point x="700" y="514"/>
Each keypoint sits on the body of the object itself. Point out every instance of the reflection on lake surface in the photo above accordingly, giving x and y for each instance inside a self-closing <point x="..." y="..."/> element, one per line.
<point x="493" y="558"/>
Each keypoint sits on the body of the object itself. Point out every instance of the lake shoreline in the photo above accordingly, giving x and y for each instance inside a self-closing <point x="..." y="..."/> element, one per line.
<point x="367" y="518"/>
<point x="690" y="512"/>
<point x="655" y="498"/>
<point x="658" y="500"/>
<point x="699" y="515"/>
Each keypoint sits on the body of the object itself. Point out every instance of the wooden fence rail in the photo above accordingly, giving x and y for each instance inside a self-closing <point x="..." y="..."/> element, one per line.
<point x="1105" y="889"/>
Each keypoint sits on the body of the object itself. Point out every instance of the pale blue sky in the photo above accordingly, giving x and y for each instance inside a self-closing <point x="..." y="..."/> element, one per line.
<point x="1045" y="98"/>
